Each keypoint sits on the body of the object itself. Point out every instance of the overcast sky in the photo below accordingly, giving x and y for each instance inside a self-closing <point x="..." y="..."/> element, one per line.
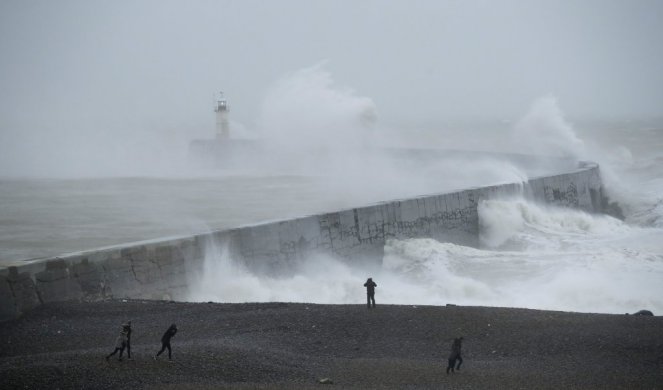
<point x="413" y="58"/>
<point x="83" y="63"/>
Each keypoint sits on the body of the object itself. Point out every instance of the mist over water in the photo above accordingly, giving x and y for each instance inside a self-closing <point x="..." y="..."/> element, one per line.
<point x="531" y="255"/>
<point x="320" y="280"/>
<point x="311" y="126"/>
<point x="306" y="110"/>
<point x="544" y="131"/>
<point x="321" y="153"/>
<point x="100" y="100"/>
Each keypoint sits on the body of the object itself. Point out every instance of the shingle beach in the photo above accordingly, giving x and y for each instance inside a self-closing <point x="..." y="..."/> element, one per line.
<point x="295" y="345"/>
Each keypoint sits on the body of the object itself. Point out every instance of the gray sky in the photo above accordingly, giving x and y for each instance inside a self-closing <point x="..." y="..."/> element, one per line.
<point x="87" y="64"/>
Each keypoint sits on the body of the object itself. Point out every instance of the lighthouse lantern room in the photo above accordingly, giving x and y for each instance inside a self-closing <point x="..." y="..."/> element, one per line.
<point x="222" y="127"/>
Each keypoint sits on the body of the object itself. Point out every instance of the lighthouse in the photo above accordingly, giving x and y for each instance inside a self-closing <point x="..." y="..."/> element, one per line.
<point x="222" y="127"/>
<point x="222" y="151"/>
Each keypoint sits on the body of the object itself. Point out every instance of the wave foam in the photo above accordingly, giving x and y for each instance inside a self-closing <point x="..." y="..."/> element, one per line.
<point x="547" y="258"/>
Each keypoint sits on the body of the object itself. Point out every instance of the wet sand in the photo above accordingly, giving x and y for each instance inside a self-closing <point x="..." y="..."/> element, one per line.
<point x="287" y="345"/>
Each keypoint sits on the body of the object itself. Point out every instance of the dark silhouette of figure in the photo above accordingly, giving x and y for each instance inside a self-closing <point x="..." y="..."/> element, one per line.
<point x="126" y="327"/>
<point x="165" y="341"/>
<point x="455" y="355"/>
<point x="370" y="292"/>
<point x="120" y="344"/>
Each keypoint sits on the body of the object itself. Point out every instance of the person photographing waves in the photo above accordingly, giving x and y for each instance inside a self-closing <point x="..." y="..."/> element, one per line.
<point x="370" y="292"/>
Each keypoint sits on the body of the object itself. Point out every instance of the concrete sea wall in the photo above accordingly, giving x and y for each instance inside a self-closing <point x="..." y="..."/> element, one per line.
<point x="164" y="269"/>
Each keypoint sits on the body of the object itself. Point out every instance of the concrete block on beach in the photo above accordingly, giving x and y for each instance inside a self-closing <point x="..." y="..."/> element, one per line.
<point x="120" y="280"/>
<point x="24" y="291"/>
<point x="90" y="278"/>
<point x="143" y="266"/>
<point x="169" y="260"/>
<point x="166" y="269"/>
<point x="7" y="301"/>
<point x="55" y="282"/>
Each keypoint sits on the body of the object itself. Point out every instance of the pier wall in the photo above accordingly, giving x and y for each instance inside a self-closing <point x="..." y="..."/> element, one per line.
<point x="164" y="269"/>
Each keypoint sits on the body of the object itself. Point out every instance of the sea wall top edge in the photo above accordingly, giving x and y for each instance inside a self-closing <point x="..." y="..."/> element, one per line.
<point x="35" y="265"/>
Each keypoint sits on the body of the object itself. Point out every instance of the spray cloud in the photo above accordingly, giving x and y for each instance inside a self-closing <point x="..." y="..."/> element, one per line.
<point x="544" y="131"/>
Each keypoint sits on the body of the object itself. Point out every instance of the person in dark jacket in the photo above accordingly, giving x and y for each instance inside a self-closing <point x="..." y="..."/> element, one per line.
<point x="455" y="355"/>
<point x="370" y="292"/>
<point x="126" y="327"/>
<point x="165" y="341"/>
<point x="120" y="344"/>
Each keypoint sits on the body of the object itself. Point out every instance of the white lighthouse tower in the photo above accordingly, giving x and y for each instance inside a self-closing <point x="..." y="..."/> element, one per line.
<point x="222" y="127"/>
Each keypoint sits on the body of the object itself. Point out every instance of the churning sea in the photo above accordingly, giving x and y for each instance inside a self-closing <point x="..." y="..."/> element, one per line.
<point x="531" y="255"/>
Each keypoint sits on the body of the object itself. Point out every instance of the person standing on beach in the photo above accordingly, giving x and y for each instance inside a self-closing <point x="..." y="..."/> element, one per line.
<point x="165" y="341"/>
<point x="370" y="292"/>
<point x="455" y="355"/>
<point x="120" y="343"/>
<point x="126" y="327"/>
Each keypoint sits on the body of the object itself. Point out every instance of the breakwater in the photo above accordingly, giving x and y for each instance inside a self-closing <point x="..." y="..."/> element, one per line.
<point x="164" y="269"/>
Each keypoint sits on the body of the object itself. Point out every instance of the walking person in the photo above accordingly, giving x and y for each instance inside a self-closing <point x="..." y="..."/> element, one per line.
<point x="165" y="341"/>
<point x="120" y="344"/>
<point x="127" y="329"/>
<point x="370" y="292"/>
<point x="455" y="355"/>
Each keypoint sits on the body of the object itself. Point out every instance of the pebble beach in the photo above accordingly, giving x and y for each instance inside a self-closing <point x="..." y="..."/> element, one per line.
<point x="296" y="345"/>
